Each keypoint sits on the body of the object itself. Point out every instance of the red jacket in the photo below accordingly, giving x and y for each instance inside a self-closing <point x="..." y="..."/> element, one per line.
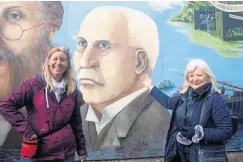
<point x="59" y="127"/>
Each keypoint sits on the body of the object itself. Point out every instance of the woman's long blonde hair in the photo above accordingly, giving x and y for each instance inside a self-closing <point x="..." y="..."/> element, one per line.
<point x="191" y="66"/>
<point x="68" y="74"/>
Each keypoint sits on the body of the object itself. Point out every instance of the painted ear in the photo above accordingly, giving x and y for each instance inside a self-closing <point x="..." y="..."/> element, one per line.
<point x="52" y="33"/>
<point x="141" y="56"/>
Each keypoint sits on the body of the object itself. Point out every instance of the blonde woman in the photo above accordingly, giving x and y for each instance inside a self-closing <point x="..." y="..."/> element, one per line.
<point x="53" y="105"/>
<point x="199" y="115"/>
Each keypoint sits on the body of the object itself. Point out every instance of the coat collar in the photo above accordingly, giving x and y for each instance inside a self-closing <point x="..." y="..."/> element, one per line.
<point x="41" y="83"/>
<point x="125" y="119"/>
<point x="199" y="92"/>
<point x="130" y="113"/>
<point x="121" y="124"/>
<point x="202" y="90"/>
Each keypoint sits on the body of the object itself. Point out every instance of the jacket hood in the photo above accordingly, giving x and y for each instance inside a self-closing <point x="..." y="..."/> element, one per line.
<point x="41" y="83"/>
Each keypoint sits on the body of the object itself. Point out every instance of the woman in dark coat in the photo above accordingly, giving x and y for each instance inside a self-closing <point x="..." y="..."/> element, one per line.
<point x="185" y="133"/>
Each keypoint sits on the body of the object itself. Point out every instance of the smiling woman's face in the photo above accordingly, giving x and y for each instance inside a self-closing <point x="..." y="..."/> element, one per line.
<point x="58" y="64"/>
<point x="197" y="78"/>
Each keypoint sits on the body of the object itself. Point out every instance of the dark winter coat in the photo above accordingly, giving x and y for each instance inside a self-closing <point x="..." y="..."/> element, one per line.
<point x="216" y="121"/>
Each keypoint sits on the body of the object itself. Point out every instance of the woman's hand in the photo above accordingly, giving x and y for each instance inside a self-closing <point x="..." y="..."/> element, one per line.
<point x="82" y="158"/>
<point x="188" y="132"/>
<point x="147" y="81"/>
<point x="33" y="137"/>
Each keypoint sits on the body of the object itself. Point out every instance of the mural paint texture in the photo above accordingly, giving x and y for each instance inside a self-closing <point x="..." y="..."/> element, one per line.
<point x="27" y="29"/>
<point x="113" y="45"/>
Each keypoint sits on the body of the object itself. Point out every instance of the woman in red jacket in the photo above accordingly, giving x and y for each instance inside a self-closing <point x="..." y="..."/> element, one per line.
<point x="53" y="102"/>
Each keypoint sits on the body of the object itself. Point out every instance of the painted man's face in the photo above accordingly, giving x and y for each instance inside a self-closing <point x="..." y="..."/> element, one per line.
<point x="105" y="61"/>
<point x="24" y="43"/>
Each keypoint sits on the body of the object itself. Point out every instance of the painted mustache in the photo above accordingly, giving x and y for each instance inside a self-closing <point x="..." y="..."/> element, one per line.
<point x="91" y="74"/>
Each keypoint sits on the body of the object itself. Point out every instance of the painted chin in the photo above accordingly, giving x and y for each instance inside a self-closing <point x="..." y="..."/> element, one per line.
<point x="89" y="83"/>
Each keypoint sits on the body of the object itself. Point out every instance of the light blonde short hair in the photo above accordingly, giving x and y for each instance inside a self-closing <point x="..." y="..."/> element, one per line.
<point x="191" y="66"/>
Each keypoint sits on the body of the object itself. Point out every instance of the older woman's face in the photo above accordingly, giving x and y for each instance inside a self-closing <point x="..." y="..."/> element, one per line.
<point x="58" y="64"/>
<point x="197" y="78"/>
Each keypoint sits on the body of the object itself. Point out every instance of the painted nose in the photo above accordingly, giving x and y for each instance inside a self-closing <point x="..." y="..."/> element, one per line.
<point x="89" y="59"/>
<point x="2" y="48"/>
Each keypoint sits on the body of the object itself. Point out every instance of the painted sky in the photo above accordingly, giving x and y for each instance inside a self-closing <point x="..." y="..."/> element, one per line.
<point x="175" y="46"/>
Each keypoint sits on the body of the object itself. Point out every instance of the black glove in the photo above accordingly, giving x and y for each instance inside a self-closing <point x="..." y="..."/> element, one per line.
<point x="187" y="132"/>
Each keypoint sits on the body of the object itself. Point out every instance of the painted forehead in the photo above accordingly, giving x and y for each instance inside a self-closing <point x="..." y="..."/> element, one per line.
<point x="112" y="30"/>
<point x="11" y="5"/>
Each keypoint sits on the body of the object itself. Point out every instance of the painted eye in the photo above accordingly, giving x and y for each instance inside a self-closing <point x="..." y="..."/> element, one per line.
<point x="82" y="43"/>
<point x="104" y="45"/>
<point x="14" y="15"/>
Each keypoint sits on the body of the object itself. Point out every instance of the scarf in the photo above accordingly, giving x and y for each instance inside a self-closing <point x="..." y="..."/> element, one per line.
<point x="59" y="88"/>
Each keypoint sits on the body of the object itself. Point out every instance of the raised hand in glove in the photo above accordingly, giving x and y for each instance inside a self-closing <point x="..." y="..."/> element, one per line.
<point x="187" y="132"/>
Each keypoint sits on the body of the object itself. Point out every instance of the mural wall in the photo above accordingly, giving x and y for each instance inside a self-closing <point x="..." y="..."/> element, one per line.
<point x="113" y="44"/>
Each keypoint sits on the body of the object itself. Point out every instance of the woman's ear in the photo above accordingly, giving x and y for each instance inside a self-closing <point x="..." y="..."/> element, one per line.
<point x="141" y="57"/>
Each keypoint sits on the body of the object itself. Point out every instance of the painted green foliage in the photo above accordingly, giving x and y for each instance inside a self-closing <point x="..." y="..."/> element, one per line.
<point x="186" y="13"/>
